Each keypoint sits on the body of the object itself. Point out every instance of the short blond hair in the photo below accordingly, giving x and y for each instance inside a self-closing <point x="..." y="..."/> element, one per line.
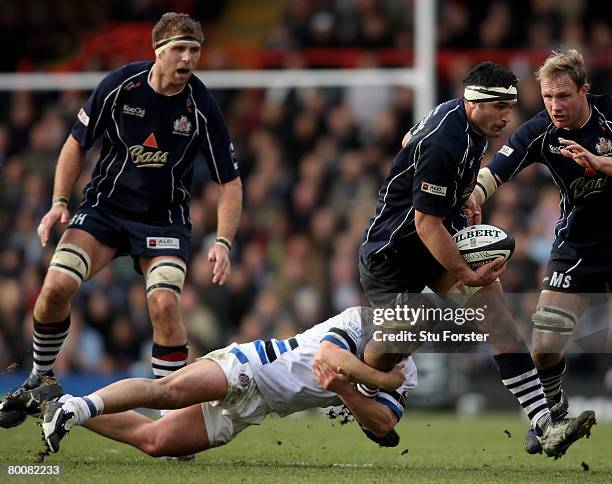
<point x="564" y="61"/>
<point x="172" y="24"/>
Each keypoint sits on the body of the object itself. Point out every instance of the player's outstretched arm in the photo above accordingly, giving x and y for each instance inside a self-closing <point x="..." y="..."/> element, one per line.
<point x="585" y="158"/>
<point x="229" y="209"/>
<point x="370" y="414"/>
<point x="348" y="364"/>
<point x="68" y="169"/>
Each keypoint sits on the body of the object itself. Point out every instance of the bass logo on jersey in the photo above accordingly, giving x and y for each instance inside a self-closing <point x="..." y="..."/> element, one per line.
<point x="604" y="146"/>
<point x="555" y="150"/>
<point x="584" y="187"/>
<point x="181" y="126"/>
<point x="433" y="189"/>
<point x="505" y="150"/>
<point x="133" y="111"/>
<point x="148" y="159"/>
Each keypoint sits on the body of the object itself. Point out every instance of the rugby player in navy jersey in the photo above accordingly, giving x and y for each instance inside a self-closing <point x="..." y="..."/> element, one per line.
<point x="573" y="138"/>
<point x="408" y="244"/>
<point x="152" y="119"/>
<point x="233" y="388"/>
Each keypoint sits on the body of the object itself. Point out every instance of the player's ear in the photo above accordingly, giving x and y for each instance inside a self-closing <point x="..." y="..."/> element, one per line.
<point x="585" y="88"/>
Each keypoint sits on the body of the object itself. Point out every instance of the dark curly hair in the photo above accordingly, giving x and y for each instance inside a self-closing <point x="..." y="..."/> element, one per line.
<point x="490" y="74"/>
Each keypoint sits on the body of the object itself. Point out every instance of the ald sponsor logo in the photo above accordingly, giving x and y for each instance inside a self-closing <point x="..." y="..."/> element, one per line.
<point x="163" y="243"/>
<point x="433" y="189"/>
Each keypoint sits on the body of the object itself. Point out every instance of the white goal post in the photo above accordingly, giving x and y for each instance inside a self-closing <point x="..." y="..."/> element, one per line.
<point x="421" y="77"/>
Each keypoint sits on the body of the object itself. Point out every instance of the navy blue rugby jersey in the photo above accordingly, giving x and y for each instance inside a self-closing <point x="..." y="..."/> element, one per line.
<point x="149" y="142"/>
<point x="435" y="172"/>
<point x="585" y="222"/>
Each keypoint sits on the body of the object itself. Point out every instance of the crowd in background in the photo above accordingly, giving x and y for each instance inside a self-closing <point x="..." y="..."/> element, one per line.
<point x="311" y="161"/>
<point x="461" y="24"/>
<point x="44" y="32"/>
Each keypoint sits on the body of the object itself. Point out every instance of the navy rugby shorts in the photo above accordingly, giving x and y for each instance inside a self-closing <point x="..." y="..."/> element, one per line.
<point x="385" y="275"/>
<point x="133" y="238"/>
<point x="571" y="273"/>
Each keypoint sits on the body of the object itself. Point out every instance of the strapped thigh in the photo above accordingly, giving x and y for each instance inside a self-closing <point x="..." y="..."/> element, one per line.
<point x="166" y="274"/>
<point x="73" y="261"/>
<point x="553" y="319"/>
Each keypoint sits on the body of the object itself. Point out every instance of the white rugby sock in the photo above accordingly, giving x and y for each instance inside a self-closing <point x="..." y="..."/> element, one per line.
<point x="64" y="398"/>
<point x="84" y="408"/>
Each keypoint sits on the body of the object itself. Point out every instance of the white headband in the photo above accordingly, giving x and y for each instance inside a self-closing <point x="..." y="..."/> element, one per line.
<point x="165" y="43"/>
<point x="480" y="94"/>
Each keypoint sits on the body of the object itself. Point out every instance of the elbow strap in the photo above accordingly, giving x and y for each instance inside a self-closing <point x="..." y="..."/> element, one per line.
<point x="486" y="184"/>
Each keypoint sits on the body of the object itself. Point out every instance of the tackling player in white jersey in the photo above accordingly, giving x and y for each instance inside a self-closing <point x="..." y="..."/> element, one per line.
<point x="230" y="389"/>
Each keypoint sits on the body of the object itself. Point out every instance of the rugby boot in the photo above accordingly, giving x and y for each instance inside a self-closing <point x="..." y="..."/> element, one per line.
<point x="56" y="424"/>
<point x="14" y="409"/>
<point x="557" y="412"/>
<point x="559" y="435"/>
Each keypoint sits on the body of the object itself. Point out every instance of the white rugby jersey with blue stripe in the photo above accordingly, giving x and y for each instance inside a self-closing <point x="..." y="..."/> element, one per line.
<point x="149" y="143"/>
<point x="283" y="368"/>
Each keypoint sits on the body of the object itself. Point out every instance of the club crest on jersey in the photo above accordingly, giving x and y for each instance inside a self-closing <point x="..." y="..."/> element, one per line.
<point x="433" y="189"/>
<point x="604" y="146"/>
<point x="181" y="126"/>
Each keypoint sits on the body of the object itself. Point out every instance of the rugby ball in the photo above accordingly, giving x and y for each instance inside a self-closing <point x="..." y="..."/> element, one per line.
<point x="479" y="244"/>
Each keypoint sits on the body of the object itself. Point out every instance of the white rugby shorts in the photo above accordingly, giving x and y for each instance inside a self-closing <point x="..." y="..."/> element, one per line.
<point x="243" y="404"/>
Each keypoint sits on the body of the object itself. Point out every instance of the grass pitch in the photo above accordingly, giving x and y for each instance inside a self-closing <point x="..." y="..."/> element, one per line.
<point x="433" y="448"/>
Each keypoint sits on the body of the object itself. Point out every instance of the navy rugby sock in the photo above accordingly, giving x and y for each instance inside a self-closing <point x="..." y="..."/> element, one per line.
<point x="166" y="359"/>
<point x="551" y="382"/>
<point x="46" y="342"/>
<point x="520" y="376"/>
